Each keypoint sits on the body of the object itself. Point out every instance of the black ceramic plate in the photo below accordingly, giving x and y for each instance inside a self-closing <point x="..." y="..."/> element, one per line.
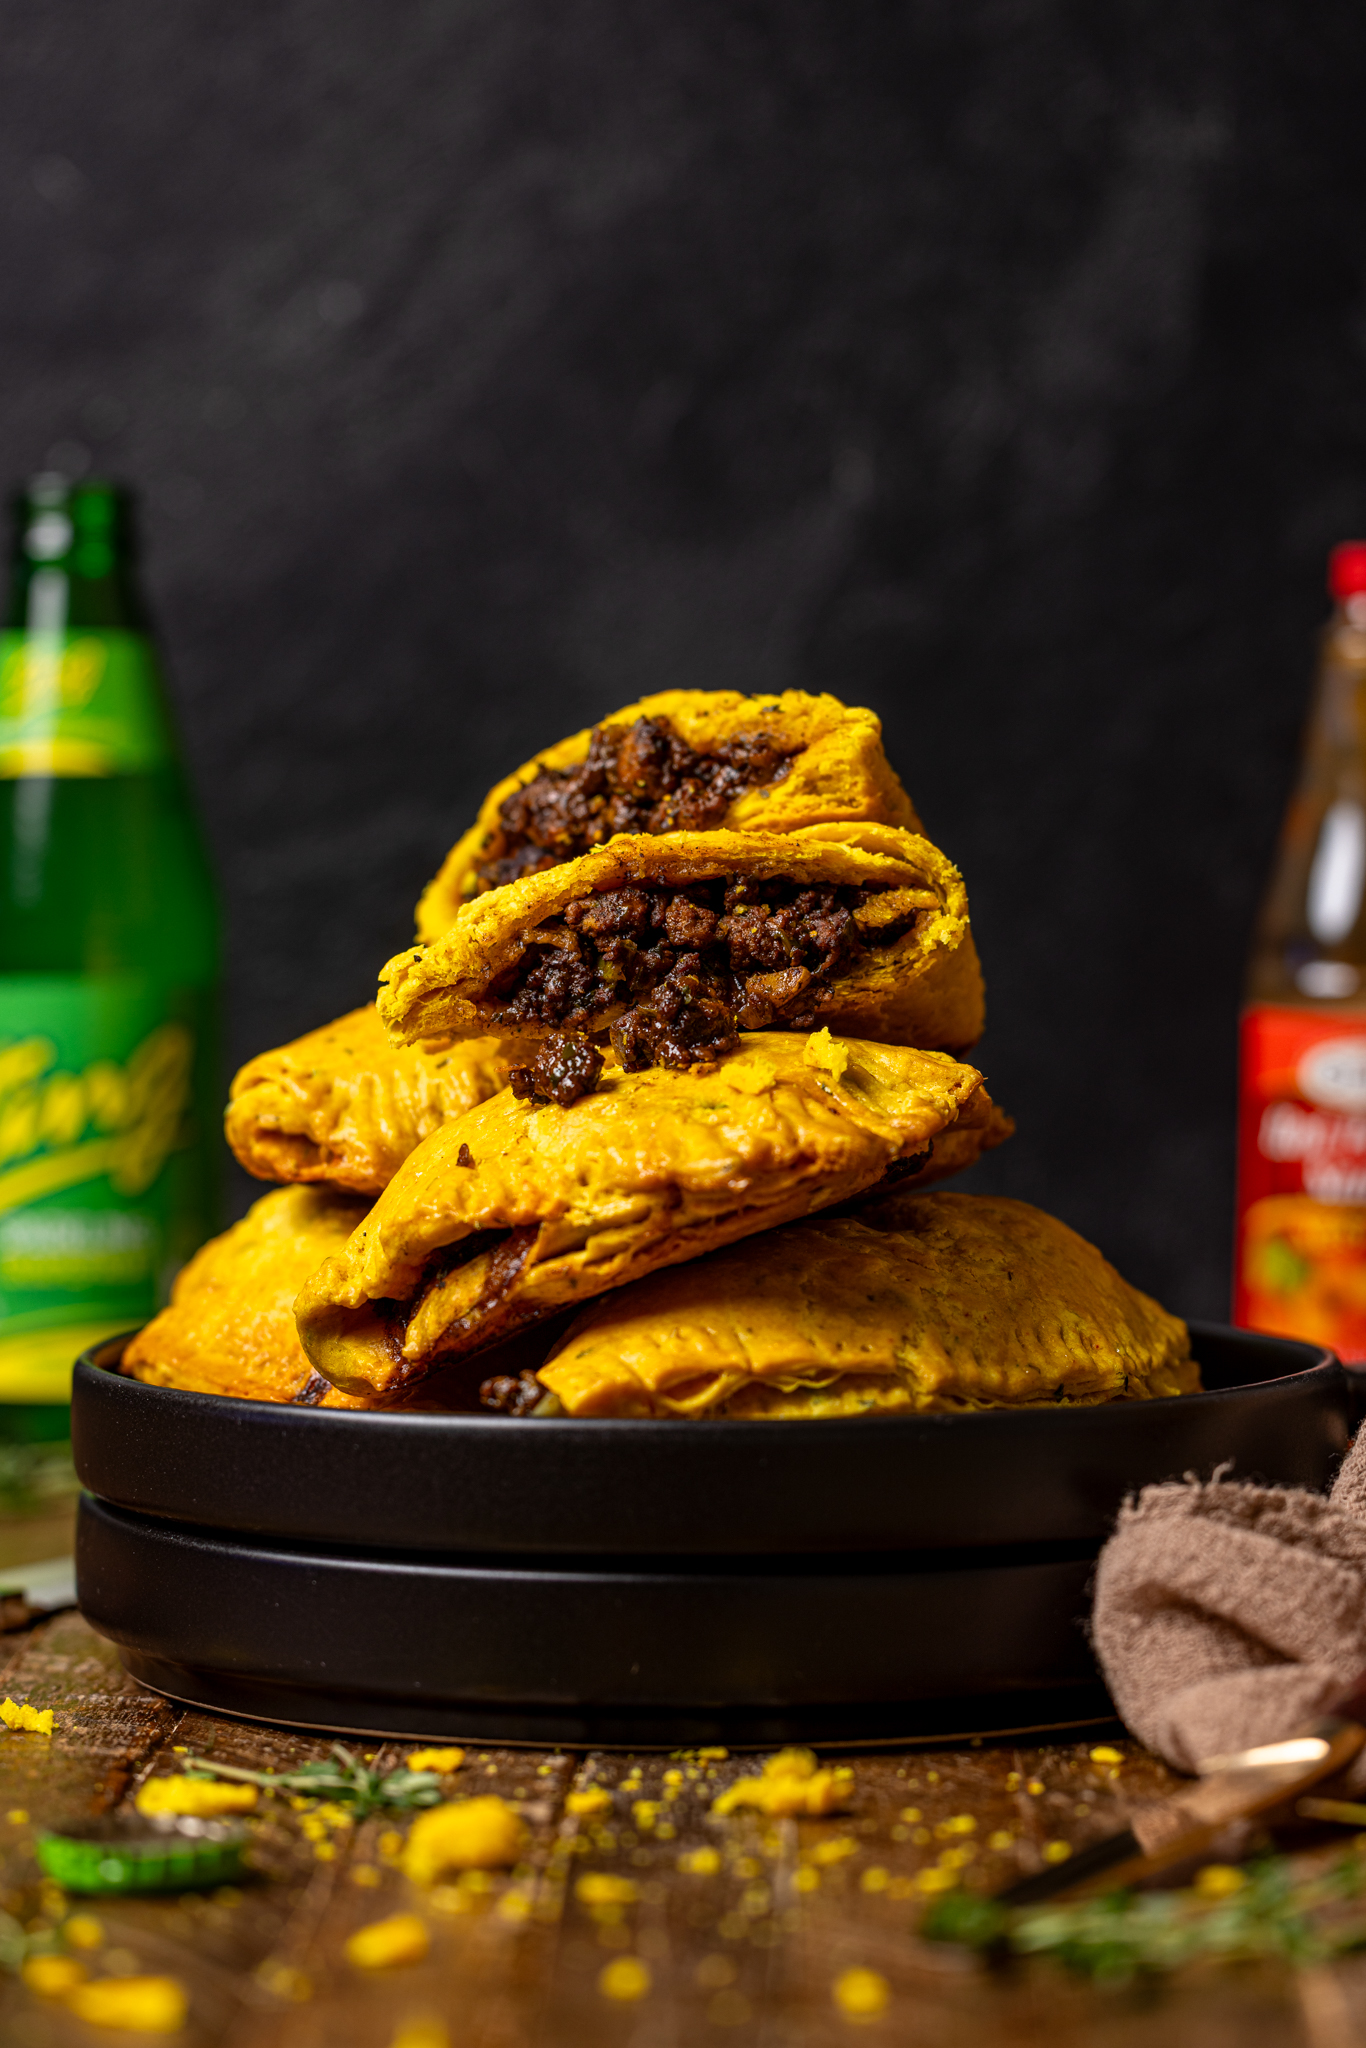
<point x="1278" y="1410"/>
<point x="641" y="1582"/>
<point x="486" y="1648"/>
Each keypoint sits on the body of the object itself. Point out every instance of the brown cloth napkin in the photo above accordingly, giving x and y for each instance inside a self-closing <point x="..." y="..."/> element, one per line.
<point x="1228" y="1614"/>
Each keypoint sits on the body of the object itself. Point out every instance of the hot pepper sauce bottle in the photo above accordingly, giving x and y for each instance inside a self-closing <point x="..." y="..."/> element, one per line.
<point x="1300" y="1243"/>
<point x="108" y="958"/>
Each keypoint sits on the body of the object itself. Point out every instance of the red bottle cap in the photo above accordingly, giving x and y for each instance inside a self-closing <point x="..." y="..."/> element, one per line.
<point x="1347" y="569"/>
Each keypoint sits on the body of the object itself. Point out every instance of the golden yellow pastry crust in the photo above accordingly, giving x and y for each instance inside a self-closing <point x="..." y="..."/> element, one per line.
<point x="919" y="1302"/>
<point x="347" y="1105"/>
<point x="838" y="770"/>
<point x="229" y="1328"/>
<point x="651" y="1170"/>
<point x="923" y="989"/>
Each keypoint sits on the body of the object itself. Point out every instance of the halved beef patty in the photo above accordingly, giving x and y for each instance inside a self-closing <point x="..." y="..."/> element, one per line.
<point x="636" y="778"/>
<point x="693" y="965"/>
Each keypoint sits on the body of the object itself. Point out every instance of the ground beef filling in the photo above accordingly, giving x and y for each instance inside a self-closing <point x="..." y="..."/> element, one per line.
<point x="693" y="965"/>
<point x="566" y="1067"/>
<point x="635" y="778"/>
<point x="509" y="1394"/>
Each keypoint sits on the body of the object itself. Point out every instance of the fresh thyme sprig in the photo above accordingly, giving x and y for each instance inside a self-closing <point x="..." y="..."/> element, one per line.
<point x="344" y="1778"/>
<point x="1275" y="1911"/>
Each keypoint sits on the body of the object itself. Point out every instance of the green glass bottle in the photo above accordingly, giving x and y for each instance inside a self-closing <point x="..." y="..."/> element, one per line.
<point x="108" y="960"/>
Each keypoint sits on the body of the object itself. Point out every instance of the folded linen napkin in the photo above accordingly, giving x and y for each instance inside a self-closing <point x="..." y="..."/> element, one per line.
<point x="1228" y="1614"/>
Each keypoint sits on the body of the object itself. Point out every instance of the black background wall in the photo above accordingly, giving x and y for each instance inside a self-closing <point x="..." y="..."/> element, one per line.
<point x="485" y="363"/>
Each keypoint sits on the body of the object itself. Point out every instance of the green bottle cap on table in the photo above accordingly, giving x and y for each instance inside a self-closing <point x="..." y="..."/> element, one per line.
<point x="134" y="1854"/>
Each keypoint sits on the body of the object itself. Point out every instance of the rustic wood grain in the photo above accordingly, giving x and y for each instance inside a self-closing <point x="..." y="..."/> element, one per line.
<point x="746" y="1953"/>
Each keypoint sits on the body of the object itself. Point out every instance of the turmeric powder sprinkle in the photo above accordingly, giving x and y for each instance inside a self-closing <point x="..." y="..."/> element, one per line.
<point x="463" y="1834"/>
<point x="791" y="1783"/>
<point x="26" y="1720"/>
<point x="193" y="1796"/>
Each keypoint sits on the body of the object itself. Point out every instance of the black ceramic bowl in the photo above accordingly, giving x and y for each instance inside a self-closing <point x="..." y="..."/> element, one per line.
<point x="643" y="1581"/>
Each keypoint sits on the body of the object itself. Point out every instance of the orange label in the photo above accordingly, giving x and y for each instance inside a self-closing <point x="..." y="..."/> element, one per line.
<point x="1300" y="1249"/>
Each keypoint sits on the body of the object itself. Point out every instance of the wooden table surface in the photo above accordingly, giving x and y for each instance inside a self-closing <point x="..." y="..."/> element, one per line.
<point x="747" y="1953"/>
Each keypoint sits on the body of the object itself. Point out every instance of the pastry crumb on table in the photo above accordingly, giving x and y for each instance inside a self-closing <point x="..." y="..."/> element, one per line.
<point x="631" y="1899"/>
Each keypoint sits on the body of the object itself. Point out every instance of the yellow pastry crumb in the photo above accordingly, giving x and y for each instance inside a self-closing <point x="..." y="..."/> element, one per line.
<point x="821" y="1050"/>
<point x="834" y="1849"/>
<point x="83" y="1930"/>
<point x="957" y="1824"/>
<point x="26" y="1720"/>
<point x="1106" y="1755"/>
<point x="148" y="2005"/>
<point x="193" y="1796"/>
<point x="704" y="1862"/>
<point x="443" y="1761"/>
<point x="1219" y="1881"/>
<point x="401" y="1938"/>
<point x="1056" y="1852"/>
<point x="790" y="1782"/>
<point x="53" y="1976"/>
<point x="861" y="1994"/>
<point x="605" y="1888"/>
<point x="464" y="1834"/>
<point x="625" y="1978"/>
<point x="421" y="2032"/>
<point x="592" y="1799"/>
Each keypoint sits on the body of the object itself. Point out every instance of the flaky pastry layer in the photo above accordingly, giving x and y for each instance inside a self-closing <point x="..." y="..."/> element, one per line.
<point x="346" y="1105"/>
<point x="229" y="1327"/>
<point x="919" y="1302"/>
<point x="836" y="769"/>
<point x="512" y="1212"/>
<point x="923" y="987"/>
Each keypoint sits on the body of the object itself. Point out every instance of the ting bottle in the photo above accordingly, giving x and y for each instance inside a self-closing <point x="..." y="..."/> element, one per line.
<point x="1300" y="1250"/>
<point x="108" y="959"/>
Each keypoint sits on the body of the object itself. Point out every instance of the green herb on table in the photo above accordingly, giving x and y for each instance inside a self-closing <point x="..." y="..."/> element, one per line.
<point x="342" y="1777"/>
<point x="1275" y="1911"/>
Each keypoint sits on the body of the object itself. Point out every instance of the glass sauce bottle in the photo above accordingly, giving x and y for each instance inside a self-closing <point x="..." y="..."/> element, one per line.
<point x="108" y="966"/>
<point x="1300" y="1242"/>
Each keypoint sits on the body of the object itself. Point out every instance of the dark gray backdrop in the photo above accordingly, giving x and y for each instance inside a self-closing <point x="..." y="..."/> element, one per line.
<point x="485" y="363"/>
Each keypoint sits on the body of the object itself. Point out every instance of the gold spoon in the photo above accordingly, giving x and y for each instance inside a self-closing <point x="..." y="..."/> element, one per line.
<point x="1229" y="1788"/>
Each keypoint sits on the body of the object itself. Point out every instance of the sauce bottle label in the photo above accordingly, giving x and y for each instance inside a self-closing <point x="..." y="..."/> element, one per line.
<point x="1300" y="1246"/>
<point x="95" y="1105"/>
<point x="79" y="703"/>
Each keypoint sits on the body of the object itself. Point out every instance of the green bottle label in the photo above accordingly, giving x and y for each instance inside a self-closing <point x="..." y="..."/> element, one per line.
<point x="85" y="702"/>
<point x="95" y="1099"/>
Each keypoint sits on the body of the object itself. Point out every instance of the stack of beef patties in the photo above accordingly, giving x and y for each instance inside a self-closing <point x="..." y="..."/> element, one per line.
<point x="644" y="1122"/>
